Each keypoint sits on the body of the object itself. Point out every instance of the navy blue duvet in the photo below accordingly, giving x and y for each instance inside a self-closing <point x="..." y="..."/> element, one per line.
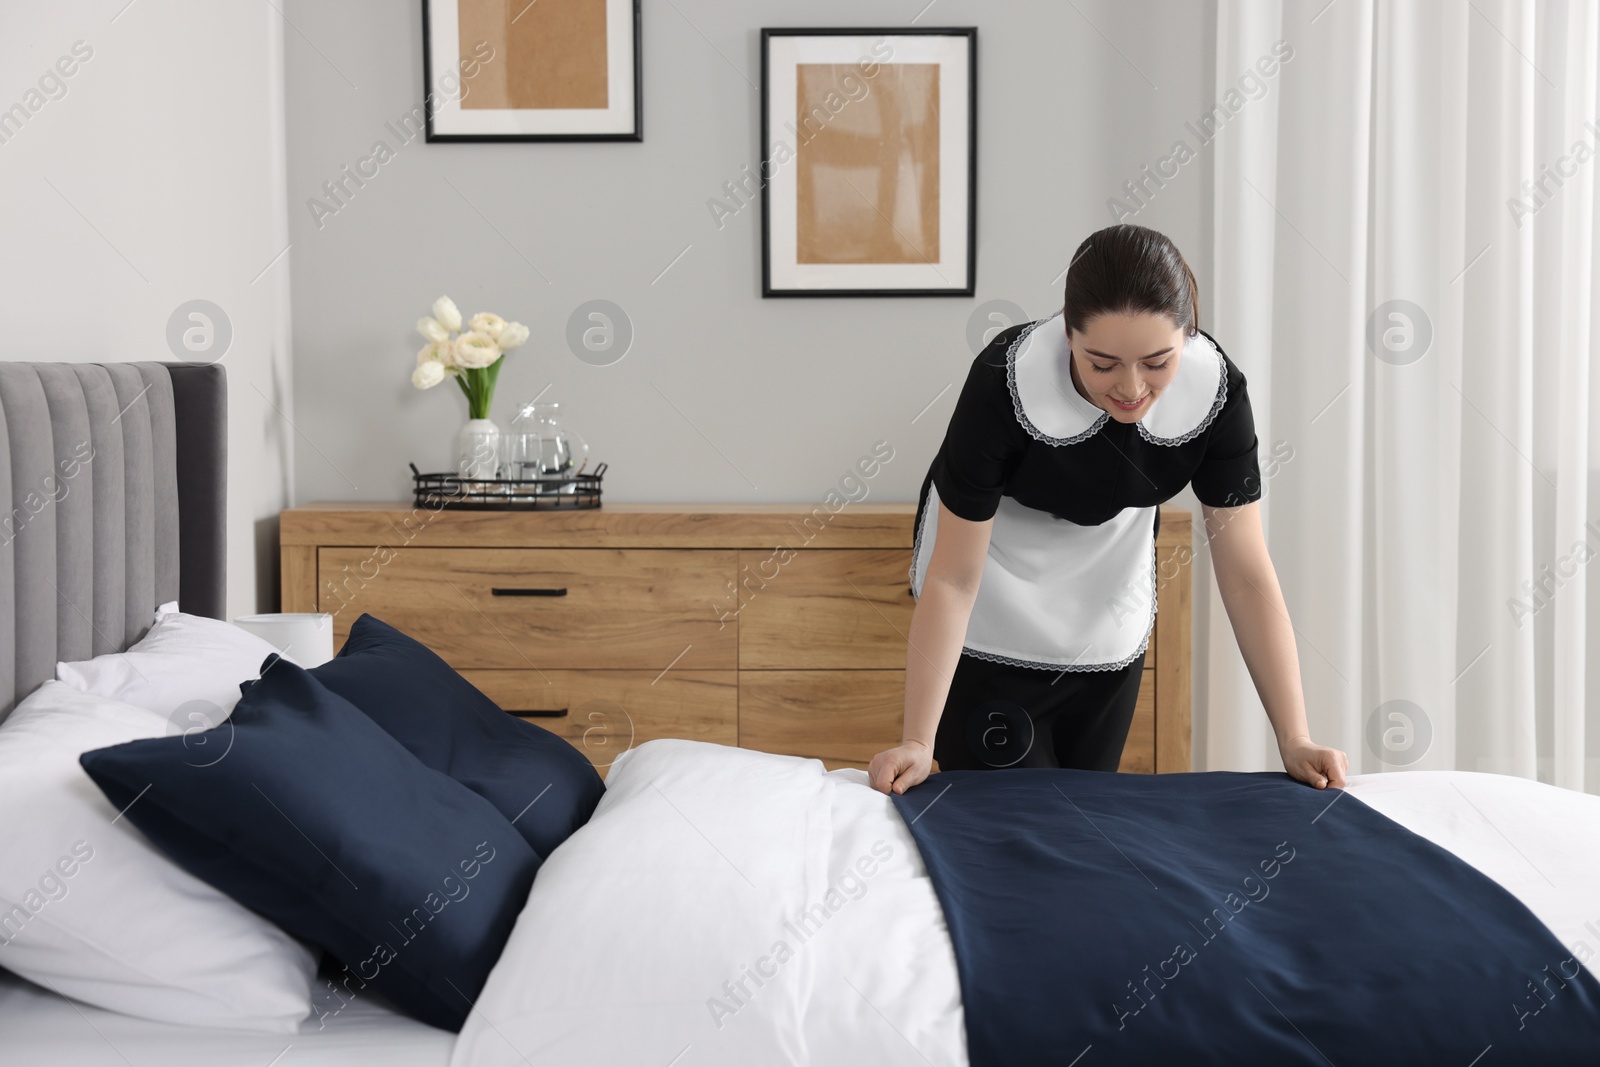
<point x="1226" y="918"/>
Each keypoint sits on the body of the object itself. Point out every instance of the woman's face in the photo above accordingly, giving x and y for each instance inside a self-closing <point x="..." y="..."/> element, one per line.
<point x="1122" y="363"/>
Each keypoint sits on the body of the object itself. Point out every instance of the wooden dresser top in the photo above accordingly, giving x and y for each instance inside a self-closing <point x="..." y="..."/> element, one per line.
<point x="624" y="525"/>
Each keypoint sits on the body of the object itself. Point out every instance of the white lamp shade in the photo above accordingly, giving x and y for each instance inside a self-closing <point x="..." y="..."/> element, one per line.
<point x="305" y="637"/>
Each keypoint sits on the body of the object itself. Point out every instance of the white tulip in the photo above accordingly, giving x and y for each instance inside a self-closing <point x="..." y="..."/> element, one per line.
<point x="431" y="329"/>
<point x="483" y="322"/>
<point x="434" y="352"/>
<point x="511" y="335"/>
<point x="475" y="349"/>
<point x="429" y="374"/>
<point x="445" y="310"/>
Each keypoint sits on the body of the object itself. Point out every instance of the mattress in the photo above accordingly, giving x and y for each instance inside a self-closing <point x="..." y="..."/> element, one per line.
<point x="38" y="1028"/>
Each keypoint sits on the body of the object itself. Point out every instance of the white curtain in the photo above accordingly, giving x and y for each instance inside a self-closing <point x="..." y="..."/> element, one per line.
<point x="1429" y="523"/>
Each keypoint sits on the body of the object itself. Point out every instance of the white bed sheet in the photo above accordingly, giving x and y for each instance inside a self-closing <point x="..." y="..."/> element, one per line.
<point x="38" y="1028"/>
<point x="699" y="855"/>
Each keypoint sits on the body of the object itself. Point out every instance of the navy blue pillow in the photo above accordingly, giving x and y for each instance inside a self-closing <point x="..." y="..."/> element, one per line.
<point x="452" y="727"/>
<point x="324" y="824"/>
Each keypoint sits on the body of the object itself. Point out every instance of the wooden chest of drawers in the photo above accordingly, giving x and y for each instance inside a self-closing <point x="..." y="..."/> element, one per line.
<point x="774" y="627"/>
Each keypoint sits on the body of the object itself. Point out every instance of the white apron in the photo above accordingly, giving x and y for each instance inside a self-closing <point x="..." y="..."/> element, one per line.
<point x="1055" y="594"/>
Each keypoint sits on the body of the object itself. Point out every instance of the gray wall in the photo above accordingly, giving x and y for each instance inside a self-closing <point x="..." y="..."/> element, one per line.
<point x="724" y="396"/>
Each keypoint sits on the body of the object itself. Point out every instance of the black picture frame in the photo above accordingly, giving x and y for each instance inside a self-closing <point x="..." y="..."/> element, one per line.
<point x="971" y="34"/>
<point x="433" y="137"/>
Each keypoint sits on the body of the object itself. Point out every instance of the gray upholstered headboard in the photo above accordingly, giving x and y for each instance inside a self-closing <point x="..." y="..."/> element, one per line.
<point x="114" y="474"/>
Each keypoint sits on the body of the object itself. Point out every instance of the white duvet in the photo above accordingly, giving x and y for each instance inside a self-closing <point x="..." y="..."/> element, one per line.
<point x="733" y="907"/>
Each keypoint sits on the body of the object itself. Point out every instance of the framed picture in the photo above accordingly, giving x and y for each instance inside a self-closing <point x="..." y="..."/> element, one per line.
<point x="869" y="165"/>
<point x="532" y="70"/>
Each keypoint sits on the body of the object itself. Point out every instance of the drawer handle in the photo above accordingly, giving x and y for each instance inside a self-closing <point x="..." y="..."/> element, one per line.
<point x="558" y="591"/>
<point x="539" y="713"/>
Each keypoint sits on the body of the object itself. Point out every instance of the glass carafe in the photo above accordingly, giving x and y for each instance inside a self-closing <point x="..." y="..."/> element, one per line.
<point x="539" y="445"/>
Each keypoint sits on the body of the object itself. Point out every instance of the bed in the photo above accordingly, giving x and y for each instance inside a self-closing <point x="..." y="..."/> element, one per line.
<point x="653" y="934"/>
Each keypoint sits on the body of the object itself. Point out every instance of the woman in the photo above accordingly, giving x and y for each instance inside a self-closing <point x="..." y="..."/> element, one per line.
<point x="1034" y="558"/>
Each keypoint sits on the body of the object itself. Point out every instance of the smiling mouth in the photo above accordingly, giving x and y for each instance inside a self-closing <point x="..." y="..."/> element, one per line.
<point x="1129" y="405"/>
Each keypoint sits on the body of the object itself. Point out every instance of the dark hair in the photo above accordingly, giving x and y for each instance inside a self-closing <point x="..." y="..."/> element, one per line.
<point x="1129" y="270"/>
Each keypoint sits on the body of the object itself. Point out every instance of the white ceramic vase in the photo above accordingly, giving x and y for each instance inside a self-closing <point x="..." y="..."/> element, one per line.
<point x="478" y="449"/>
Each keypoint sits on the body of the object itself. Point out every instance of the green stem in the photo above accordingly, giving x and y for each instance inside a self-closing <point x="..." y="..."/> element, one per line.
<point x="492" y="377"/>
<point x="477" y="385"/>
<point x="488" y="377"/>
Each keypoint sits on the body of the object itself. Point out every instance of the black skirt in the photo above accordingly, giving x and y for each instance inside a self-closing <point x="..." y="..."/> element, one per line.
<point x="997" y="715"/>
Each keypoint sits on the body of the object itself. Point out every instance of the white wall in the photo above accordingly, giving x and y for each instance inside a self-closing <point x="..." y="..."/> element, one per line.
<point x="152" y="178"/>
<point x="724" y="396"/>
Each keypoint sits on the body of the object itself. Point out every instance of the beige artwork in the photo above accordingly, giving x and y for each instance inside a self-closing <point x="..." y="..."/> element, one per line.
<point x="548" y="53"/>
<point x="868" y="164"/>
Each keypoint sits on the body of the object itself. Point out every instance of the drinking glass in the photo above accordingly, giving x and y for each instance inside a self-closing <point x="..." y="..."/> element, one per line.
<point x="540" y="445"/>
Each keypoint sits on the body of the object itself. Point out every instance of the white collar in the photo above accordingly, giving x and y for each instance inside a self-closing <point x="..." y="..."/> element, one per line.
<point x="1038" y="373"/>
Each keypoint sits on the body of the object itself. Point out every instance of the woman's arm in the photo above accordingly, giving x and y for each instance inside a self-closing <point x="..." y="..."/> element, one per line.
<point x="1250" y="593"/>
<point x="938" y="628"/>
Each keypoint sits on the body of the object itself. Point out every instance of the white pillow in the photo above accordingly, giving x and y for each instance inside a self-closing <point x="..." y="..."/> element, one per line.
<point x="90" y="909"/>
<point x="186" y="667"/>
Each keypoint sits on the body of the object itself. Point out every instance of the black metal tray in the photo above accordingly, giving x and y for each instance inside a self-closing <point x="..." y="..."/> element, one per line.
<point x="448" y="490"/>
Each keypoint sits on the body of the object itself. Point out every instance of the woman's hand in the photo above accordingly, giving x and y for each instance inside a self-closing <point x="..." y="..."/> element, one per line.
<point x="898" y="769"/>
<point x="1314" y="764"/>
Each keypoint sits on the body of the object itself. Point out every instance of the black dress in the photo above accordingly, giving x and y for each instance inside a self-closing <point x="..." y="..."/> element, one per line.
<point x="1051" y="661"/>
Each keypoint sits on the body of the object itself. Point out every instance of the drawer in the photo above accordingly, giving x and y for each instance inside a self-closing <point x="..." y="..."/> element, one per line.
<point x="826" y="608"/>
<point x="1139" y="754"/>
<point x="843" y="718"/>
<point x="511" y="608"/>
<point x="605" y="713"/>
